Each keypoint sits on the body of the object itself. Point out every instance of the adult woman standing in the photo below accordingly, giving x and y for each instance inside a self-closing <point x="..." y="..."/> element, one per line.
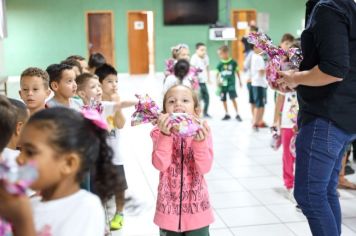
<point x="326" y="86"/>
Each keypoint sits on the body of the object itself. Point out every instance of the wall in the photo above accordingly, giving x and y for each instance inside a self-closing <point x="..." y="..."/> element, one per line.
<point x="42" y="32"/>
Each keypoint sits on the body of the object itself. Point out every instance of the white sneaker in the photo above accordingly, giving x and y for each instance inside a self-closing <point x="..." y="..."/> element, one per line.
<point x="291" y="196"/>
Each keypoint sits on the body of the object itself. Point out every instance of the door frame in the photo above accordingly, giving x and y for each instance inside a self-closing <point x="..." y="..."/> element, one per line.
<point x="153" y="39"/>
<point x="233" y="24"/>
<point x="86" y="14"/>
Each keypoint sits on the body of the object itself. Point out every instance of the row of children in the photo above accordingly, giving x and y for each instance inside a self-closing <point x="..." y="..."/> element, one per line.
<point x="66" y="145"/>
<point x="75" y="89"/>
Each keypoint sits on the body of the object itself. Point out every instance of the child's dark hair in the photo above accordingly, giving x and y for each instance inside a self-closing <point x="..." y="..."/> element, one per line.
<point x="181" y="69"/>
<point x="21" y="110"/>
<point x="34" y="71"/>
<point x="105" y="70"/>
<point x="55" y="72"/>
<point x="71" y="132"/>
<point x="194" y="95"/>
<point x="287" y="37"/>
<point x="76" y="57"/>
<point x="224" y="48"/>
<point x="83" y="79"/>
<point x="73" y="63"/>
<point x="7" y="121"/>
<point x="198" y="45"/>
<point x="96" y="60"/>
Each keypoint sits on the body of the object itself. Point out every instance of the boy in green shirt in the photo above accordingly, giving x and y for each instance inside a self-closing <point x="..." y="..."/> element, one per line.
<point x="226" y="80"/>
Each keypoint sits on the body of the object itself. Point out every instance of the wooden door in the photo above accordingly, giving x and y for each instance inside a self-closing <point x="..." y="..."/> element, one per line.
<point x="237" y="45"/>
<point x="100" y="34"/>
<point x="138" y="43"/>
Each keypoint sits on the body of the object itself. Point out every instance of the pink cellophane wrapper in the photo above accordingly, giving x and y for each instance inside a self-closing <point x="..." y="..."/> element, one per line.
<point x="275" y="56"/>
<point x="147" y="111"/>
<point x="16" y="183"/>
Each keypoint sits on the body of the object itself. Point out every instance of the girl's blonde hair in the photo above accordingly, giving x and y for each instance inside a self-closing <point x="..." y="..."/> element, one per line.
<point x="176" y="49"/>
<point x="194" y="95"/>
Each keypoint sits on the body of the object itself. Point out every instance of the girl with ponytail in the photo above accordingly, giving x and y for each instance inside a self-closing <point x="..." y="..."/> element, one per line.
<point x="64" y="145"/>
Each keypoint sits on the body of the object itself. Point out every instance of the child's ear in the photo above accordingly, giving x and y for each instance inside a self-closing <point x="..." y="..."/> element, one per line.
<point x="54" y="86"/>
<point x="70" y="164"/>
<point x="19" y="127"/>
<point x="198" y="111"/>
<point x="48" y="92"/>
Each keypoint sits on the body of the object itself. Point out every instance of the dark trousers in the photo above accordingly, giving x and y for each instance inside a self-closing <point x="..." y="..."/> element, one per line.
<point x="198" y="232"/>
<point x="204" y="95"/>
<point x="320" y="147"/>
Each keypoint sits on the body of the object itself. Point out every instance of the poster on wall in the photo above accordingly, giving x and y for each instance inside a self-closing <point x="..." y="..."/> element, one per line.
<point x="139" y="25"/>
<point x="263" y="21"/>
<point x="3" y="29"/>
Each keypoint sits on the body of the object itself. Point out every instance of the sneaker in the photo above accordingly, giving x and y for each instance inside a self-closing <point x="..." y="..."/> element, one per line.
<point x="117" y="222"/>
<point x="207" y="116"/>
<point x="291" y="195"/>
<point x="226" y="117"/>
<point x="238" y="118"/>
<point x="262" y="125"/>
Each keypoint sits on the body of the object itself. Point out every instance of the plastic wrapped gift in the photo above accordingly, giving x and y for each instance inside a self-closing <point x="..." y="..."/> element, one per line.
<point x="276" y="56"/>
<point x="147" y="111"/>
<point x="15" y="183"/>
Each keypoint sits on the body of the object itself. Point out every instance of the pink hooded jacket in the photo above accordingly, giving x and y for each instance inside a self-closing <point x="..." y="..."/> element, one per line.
<point x="183" y="200"/>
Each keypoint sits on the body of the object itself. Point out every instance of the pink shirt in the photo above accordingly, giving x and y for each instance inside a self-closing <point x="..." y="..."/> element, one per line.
<point x="183" y="200"/>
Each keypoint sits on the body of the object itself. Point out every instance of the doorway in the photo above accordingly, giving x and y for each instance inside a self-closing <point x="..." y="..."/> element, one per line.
<point x="141" y="42"/>
<point x="240" y="19"/>
<point x="100" y="34"/>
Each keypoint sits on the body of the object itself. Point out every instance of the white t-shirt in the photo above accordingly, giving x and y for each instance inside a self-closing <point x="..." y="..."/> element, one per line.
<point x="290" y="110"/>
<point x="75" y="104"/>
<point x="114" y="133"/>
<point x="172" y="80"/>
<point x="201" y="63"/>
<point x="257" y="64"/>
<point x="78" y="214"/>
<point x="9" y="156"/>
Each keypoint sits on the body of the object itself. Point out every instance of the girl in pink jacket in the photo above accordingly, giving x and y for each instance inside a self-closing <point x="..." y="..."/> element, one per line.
<point x="183" y="205"/>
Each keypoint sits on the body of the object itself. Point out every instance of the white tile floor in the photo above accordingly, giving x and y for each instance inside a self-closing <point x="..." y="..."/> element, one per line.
<point x="245" y="183"/>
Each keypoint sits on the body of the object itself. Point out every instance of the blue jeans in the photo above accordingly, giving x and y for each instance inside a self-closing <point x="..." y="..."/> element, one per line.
<point x="320" y="147"/>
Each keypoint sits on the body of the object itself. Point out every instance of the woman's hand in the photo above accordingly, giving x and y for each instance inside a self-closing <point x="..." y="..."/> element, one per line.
<point x="163" y="124"/>
<point x="202" y="133"/>
<point x="287" y="82"/>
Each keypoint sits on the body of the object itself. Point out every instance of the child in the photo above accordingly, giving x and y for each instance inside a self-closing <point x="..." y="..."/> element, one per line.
<point x="62" y="82"/>
<point x="180" y="76"/>
<point x="183" y="206"/>
<point x="226" y="80"/>
<point x="95" y="61"/>
<point x="11" y="152"/>
<point x="286" y="42"/>
<point x="64" y="145"/>
<point x="75" y="66"/>
<point x="7" y="123"/>
<point x="259" y="87"/>
<point x="288" y="129"/>
<point x="115" y="117"/>
<point x="201" y="61"/>
<point x="34" y="89"/>
<point x="83" y="63"/>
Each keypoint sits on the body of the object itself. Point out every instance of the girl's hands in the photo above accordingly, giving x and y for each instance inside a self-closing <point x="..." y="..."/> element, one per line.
<point x="163" y="124"/>
<point x="14" y="209"/>
<point x="202" y="133"/>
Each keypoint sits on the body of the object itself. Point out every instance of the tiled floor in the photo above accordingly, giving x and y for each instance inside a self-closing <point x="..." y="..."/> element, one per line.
<point x="245" y="183"/>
